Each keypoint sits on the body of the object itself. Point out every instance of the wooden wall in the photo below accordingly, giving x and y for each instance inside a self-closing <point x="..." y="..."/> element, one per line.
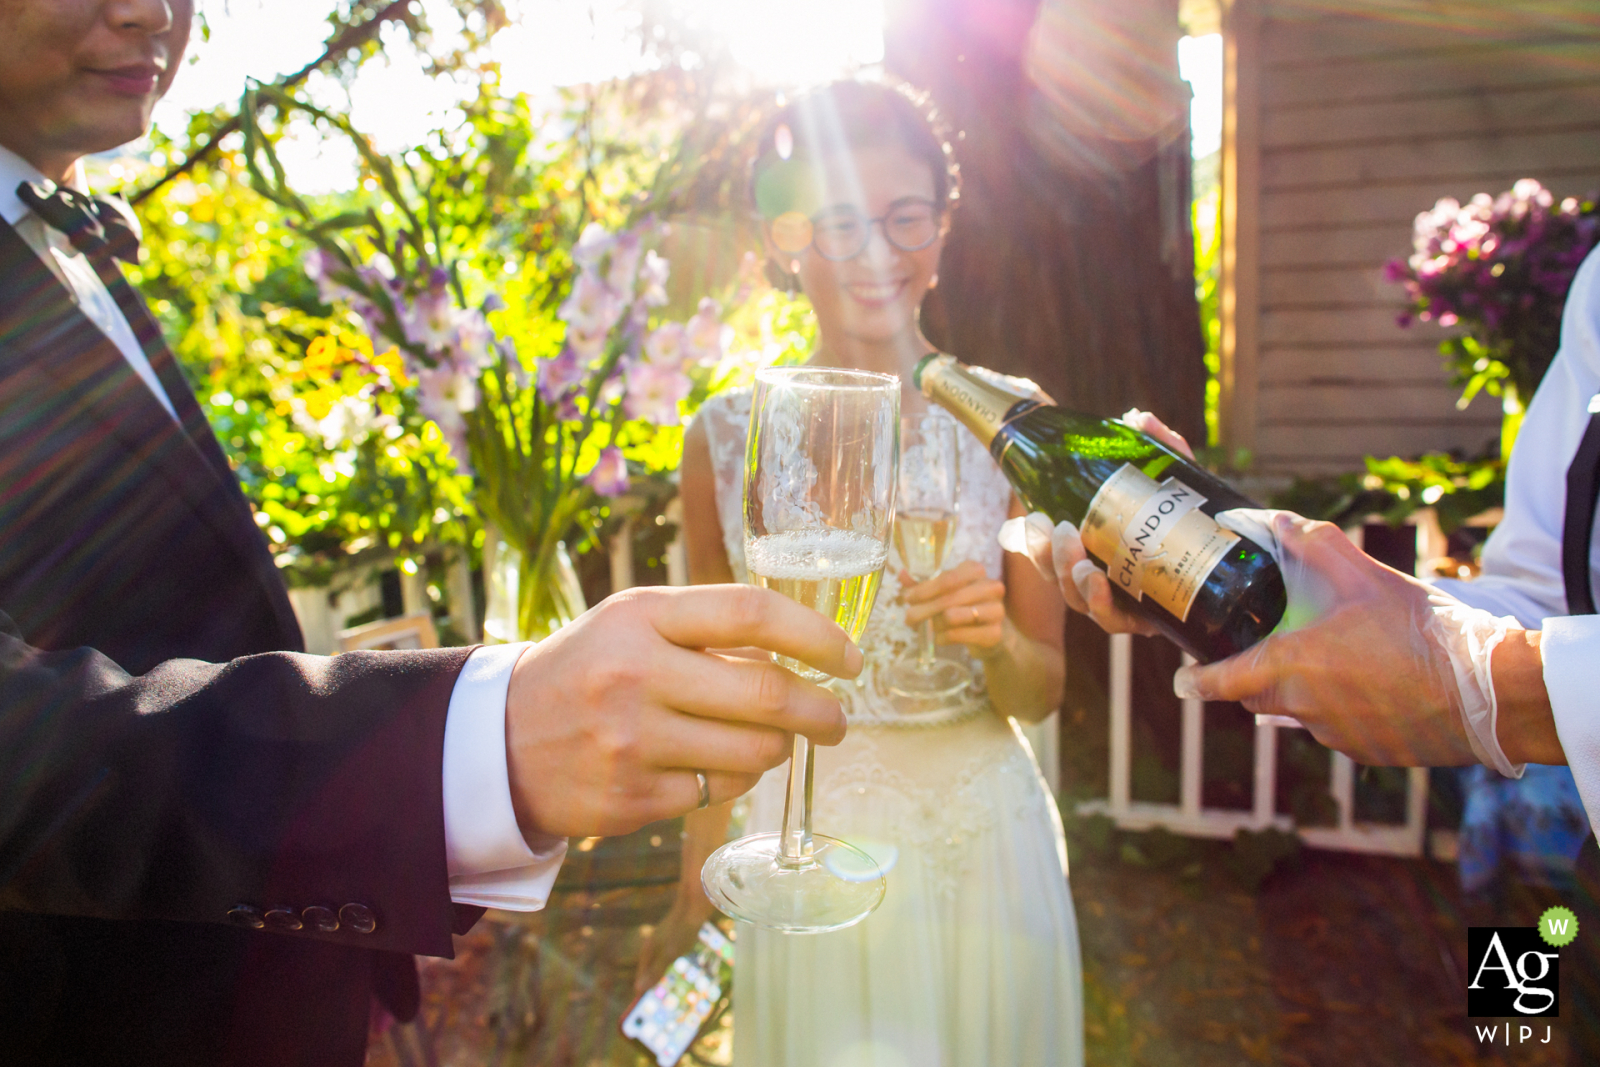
<point x="1344" y="120"/>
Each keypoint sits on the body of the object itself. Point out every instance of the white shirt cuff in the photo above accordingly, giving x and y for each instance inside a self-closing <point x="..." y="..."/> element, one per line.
<point x="1570" y="649"/>
<point x="490" y="863"/>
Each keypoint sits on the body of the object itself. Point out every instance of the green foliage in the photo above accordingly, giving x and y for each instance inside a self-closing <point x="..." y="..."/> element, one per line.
<point x="1207" y="227"/>
<point x="1394" y="488"/>
<point x="221" y="270"/>
<point x="498" y="196"/>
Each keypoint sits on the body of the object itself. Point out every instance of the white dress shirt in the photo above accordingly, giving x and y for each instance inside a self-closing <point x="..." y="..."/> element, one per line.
<point x="1522" y="559"/>
<point x="490" y="862"/>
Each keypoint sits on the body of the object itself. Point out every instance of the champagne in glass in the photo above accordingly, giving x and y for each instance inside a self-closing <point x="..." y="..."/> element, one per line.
<point x="925" y="521"/>
<point x="835" y="572"/>
<point x="819" y="494"/>
<point x="922" y="537"/>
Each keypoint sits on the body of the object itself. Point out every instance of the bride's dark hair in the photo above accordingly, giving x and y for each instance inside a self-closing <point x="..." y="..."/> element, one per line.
<point x="850" y="115"/>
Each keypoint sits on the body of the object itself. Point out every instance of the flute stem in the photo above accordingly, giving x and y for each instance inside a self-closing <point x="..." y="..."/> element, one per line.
<point x="795" y="849"/>
<point x="927" y="651"/>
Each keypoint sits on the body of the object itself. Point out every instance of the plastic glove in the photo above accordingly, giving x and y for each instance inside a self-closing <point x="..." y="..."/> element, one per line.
<point x="1374" y="663"/>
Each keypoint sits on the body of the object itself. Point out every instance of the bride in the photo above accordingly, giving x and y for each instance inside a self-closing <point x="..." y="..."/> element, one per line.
<point x="973" y="957"/>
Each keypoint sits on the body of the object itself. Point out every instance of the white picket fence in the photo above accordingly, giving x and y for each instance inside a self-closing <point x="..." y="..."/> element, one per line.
<point x="1190" y="818"/>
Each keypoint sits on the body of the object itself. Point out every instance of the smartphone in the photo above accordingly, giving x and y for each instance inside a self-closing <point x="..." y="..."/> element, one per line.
<point x="668" y="1017"/>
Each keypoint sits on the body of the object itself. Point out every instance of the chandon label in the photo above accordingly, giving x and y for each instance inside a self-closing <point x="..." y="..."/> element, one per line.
<point x="1154" y="539"/>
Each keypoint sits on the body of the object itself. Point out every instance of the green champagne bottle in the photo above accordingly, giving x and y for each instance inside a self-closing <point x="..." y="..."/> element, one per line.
<point x="1144" y="511"/>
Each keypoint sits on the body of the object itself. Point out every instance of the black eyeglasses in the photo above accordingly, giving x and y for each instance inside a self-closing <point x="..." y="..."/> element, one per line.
<point x="842" y="233"/>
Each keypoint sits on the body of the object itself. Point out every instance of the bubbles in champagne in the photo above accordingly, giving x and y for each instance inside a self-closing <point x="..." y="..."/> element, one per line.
<point x="835" y="572"/>
<point x="815" y="554"/>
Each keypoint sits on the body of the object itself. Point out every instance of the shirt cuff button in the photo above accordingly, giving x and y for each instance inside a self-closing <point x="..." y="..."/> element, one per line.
<point x="358" y="917"/>
<point x="319" y="919"/>
<point x="283" y="919"/>
<point x="246" y="916"/>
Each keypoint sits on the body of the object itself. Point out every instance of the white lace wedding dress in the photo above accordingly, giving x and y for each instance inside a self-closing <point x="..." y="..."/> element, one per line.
<point x="972" y="960"/>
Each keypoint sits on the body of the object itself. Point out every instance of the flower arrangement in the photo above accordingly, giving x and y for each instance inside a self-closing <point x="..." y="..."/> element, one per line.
<point x="550" y="407"/>
<point x="542" y="438"/>
<point x="1501" y="267"/>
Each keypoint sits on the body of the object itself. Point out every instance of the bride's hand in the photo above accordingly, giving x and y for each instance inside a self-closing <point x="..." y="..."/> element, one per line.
<point x="967" y="606"/>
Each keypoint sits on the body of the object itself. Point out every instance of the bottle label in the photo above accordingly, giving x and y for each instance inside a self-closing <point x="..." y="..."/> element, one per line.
<point x="979" y="405"/>
<point x="1154" y="539"/>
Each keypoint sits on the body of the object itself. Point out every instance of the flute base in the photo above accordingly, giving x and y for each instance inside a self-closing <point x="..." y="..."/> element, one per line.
<point x="839" y="887"/>
<point x="942" y="681"/>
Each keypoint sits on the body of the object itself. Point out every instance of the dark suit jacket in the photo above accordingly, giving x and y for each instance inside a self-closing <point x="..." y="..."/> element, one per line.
<point x="172" y="767"/>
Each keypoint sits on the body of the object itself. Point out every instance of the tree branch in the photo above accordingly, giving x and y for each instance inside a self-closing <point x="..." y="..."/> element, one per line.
<point x="351" y="37"/>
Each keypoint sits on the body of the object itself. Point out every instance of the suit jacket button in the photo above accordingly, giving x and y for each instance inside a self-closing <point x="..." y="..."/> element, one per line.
<point x="283" y="919"/>
<point x="246" y="916"/>
<point x="320" y="919"/>
<point x="359" y="918"/>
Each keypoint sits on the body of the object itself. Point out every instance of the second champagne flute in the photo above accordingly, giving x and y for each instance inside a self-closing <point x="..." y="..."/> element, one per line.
<point x="819" y="492"/>
<point x="924" y="523"/>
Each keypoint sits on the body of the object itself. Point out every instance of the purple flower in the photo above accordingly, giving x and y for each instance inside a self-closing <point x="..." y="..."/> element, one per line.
<point x="653" y="391"/>
<point x="560" y="377"/>
<point x="593" y="243"/>
<point x="320" y="265"/>
<point x="666" y="345"/>
<point x="653" y="278"/>
<point x="442" y="395"/>
<point x="609" y="476"/>
<point x="472" y="342"/>
<point x="706" y="332"/>
<point x="624" y="265"/>
<point x="590" y="310"/>
<point x="430" y="319"/>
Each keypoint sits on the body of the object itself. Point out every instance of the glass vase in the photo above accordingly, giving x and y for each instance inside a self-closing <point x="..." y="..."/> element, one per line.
<point x="528" y="597"/>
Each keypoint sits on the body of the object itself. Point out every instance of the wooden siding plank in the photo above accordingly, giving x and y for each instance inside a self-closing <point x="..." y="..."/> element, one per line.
<point x="1336" y="287"/>
<point x="1411" y="357"/>
<point x="1462" y="69"/>
<point x="1360" y="246"/>
<point x="1480" y="110"/>
<point x="1357" y="324"/>
<point x="1399" y="204"/>
<point x="1420" y="156"/>
<point x="1321" y="404"/>
<point x="1419" y="29"/>
<point x="1298" y="446"/>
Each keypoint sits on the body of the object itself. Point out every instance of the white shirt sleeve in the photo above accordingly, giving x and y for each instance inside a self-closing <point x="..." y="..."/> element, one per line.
<point x="490" y="862"/>
<point x="1522" y="559"/>
<point x="1571" y="651"/>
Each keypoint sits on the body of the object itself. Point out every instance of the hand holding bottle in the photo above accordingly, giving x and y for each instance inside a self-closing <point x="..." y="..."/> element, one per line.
<point x="1059" y="554"/>
<point x="1376" y="664"/>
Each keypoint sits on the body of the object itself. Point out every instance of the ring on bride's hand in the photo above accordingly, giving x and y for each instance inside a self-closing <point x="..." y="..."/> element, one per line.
<point x="705" y="790"/>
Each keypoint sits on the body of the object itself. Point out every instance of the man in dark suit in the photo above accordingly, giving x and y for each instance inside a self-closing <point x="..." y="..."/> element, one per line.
<point x="214" y="848"/>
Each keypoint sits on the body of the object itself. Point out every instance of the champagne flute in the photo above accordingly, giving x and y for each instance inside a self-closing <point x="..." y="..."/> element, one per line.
<point x="819" y="494"/>
<point x="925" y="520"/>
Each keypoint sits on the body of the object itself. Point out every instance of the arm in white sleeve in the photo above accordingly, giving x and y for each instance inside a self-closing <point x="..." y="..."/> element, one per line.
<point x="1522" y="560"/>
<point x="1570" y="648"/>
<point x="490" y="862"/>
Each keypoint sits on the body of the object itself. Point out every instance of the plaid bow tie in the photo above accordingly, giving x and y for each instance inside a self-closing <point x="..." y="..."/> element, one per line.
<point x="94" y="227"/>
